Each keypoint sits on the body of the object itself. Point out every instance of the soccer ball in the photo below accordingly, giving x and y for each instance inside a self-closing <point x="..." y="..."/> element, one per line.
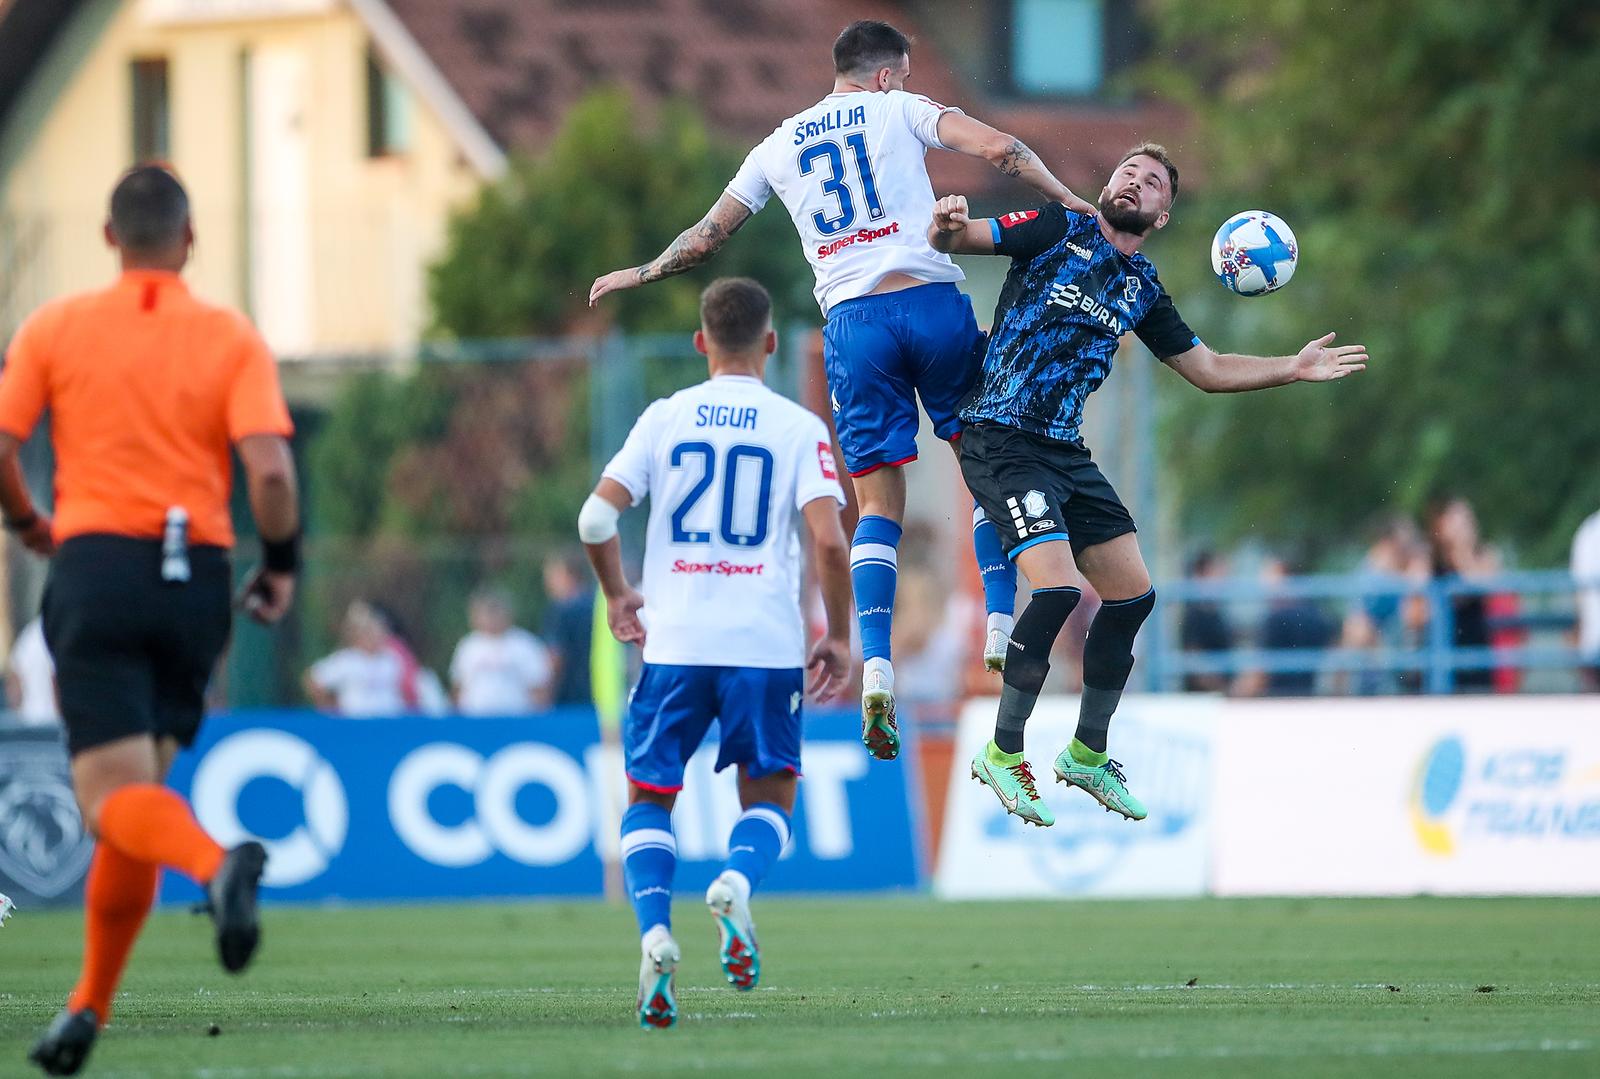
<point x="1254" y="253"/>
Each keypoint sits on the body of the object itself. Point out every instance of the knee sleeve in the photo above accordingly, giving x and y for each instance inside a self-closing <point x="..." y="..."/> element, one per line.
<point x="1028" y="657"/>
<point x="1108" y="652"/>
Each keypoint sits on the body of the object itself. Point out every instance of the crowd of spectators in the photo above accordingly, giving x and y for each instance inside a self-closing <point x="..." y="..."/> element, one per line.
<point x="497" y="669"/>
<point x="1394" y="612"/>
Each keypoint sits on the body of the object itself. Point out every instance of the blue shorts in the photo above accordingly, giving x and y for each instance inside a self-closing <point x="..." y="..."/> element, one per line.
<point x="881" y="352"/>
<point x="672" y="707"/>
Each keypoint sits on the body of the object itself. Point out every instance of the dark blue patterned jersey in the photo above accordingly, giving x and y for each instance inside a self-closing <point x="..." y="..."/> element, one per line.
<point x="1068" y="298"/>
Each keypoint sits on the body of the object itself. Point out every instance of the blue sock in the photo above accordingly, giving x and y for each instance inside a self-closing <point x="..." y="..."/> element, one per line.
<point x="649" y="855"/>
<point x="998" y="572"/>
<point x="873" y="569"/>
<point x="758" y="837"/>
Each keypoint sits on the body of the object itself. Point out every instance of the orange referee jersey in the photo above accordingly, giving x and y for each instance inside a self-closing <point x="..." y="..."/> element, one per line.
<point x="148" y="388"/>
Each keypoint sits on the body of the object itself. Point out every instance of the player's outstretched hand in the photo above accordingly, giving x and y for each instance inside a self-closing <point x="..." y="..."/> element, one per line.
<point x="950" y="214"/>
<point x="622" y="615"/>
<point x="1080" y="205"/>
<point x="829" y="667"/>
<point x="1322" y="361"/>
<point x="615" y="281"/>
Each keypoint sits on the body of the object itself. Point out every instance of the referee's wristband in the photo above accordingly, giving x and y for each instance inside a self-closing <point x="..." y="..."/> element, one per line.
<point x="21" y="524"/>
<point x="281" y="556"/>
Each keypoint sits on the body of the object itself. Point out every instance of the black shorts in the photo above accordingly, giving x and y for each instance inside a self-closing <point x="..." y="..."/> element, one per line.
<point x="133" y="653"/>
<point x="1037" y="489"/>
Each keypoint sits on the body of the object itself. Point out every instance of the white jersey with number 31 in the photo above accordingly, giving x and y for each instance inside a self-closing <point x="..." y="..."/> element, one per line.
<point x="728" y="465"/>
<point x="850" y="171"/>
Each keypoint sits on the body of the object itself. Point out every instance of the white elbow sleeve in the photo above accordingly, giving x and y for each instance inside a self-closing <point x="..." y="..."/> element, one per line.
<point x="597" y="521"/>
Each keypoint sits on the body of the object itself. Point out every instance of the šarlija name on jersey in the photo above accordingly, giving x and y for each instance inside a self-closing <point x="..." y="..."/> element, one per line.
<point x="829" y="121"/>
<point x="721" y="569"/>
<point x="860" y="236"/>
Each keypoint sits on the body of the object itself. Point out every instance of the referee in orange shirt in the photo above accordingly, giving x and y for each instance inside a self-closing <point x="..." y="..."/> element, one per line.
<point x="147" y="389"/>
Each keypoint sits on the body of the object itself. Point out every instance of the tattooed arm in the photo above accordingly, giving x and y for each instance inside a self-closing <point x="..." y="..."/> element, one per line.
<point x="963" y="134"/>
<point x="693" y="246"/>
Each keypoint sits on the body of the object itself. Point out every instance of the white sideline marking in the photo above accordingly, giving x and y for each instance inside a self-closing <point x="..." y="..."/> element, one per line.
<point x="1159" y="1052"/>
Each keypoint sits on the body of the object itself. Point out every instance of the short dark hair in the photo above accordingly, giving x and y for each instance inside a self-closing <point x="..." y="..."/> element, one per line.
<point x="149" y="210"/>
<point x="868" y="44"/>
<point x="1159" y="152"/>
<point x="735" y="312"/>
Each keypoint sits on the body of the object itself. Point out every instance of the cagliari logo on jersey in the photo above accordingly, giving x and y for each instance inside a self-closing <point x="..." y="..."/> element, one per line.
<point x="825" y="459"/>
<point x="1017" y="218"/>
<point x="860" y="236"/>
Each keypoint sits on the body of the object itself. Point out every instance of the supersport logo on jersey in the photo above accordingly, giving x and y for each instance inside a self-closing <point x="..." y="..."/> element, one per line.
<point x="860" y="236"/>
<point x="720" y="569"/>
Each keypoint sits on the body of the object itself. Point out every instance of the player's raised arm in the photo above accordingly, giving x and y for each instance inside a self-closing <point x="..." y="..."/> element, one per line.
<point x="829" y="660"/>
<point x="1229" y="372"/>
<point x="693" y="246"/>
<point x="955" y="233"/>
<point x="963" y="134"/>
<point x="597" y="528"/>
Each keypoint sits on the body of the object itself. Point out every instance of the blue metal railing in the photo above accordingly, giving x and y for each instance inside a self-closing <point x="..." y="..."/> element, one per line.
<point x="1433" y="656"/>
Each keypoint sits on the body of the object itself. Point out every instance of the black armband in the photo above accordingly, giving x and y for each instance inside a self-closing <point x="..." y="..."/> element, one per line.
<point x="21" y="524"/>
<point x="281" y="556"/>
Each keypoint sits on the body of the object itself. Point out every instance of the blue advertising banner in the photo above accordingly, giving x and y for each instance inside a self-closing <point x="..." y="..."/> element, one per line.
<point x="429" y="808"/>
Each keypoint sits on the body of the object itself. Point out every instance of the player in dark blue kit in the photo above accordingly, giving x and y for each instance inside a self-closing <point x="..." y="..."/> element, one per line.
<point x="1077" y="283"/>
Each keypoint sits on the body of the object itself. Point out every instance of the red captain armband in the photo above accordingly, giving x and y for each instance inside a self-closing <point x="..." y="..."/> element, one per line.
<point x="1017" y="218"/>
<point x="825" y="459"/>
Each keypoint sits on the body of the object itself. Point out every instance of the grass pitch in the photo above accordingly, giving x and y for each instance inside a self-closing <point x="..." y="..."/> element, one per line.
<point x="884" y="987"/>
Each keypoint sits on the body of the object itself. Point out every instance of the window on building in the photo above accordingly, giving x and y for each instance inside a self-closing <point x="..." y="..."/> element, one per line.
<point x="1058" y="47"/>
<point x="388" y="110"/>
<point x="152" y="124"/>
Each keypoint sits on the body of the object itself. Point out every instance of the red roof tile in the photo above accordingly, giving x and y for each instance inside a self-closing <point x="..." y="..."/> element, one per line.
<point x="520" y="64"/>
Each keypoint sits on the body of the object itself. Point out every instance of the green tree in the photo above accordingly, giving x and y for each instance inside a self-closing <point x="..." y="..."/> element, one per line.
<point x="424" y="485"/>
<point x="613" y="189"/>
<point x="1440" y="164"/>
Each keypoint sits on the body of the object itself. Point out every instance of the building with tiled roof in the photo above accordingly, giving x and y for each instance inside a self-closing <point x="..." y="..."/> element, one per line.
<point x="327" y="141"/>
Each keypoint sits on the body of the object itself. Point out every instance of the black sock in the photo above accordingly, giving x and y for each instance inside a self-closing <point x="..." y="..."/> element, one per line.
<point x="1028" y="661"/>
<point x="1107" y="661"/>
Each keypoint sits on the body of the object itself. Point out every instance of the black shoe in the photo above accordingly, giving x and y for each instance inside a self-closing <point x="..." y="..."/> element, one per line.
<point x="232" y="894"/>
<point x="65" y="1044"/>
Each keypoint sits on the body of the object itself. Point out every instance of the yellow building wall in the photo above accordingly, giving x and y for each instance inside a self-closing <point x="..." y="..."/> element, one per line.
<point x="374" y="223"/>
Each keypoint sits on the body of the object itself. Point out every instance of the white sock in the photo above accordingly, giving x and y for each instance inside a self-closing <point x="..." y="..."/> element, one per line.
<point x="1005" y="623"/>
<point x="653" y="936"/>
<point x="738" y="882"/>
<point x="878" y="663"/>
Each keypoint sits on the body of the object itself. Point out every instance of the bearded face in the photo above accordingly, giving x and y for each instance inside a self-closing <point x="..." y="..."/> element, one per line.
<point x="1123" y="211"/>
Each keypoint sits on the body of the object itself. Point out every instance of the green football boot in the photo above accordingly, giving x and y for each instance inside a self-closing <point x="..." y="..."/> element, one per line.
<point x="1009" y="776"/>
<point x="1101" y="776"/>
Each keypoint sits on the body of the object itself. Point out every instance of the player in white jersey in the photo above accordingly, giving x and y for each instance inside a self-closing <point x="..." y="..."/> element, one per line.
<point x="850" y="171"/>
<point x="732" y="469"/>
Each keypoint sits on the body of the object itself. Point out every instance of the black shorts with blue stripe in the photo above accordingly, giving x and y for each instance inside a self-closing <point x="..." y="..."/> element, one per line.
<point x="1037" y="489"/>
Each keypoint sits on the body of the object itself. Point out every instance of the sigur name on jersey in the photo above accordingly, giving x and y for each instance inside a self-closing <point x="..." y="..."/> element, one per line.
<point x="726" y="416"/>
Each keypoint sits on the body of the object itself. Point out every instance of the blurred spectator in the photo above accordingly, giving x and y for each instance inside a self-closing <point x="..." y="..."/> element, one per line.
<point x="932" y="645"/>
<point x="1586" y="571"/>
<point x="569" y="625"/>
<point x="1387" y="616"/>
<point x="375" y="674"/>
<point x="1292" y="623"/>
<point x="424" y="691"/>
<point x="1457" y="554"/>
<point x="499" y="669"/>
<point x="1202" y="627"/>
<point x="31" y="678"/>
<point x="1506" y="631"/>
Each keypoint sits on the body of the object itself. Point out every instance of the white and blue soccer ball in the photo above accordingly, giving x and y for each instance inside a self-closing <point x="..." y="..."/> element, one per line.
<point x="1254" y="253"/>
